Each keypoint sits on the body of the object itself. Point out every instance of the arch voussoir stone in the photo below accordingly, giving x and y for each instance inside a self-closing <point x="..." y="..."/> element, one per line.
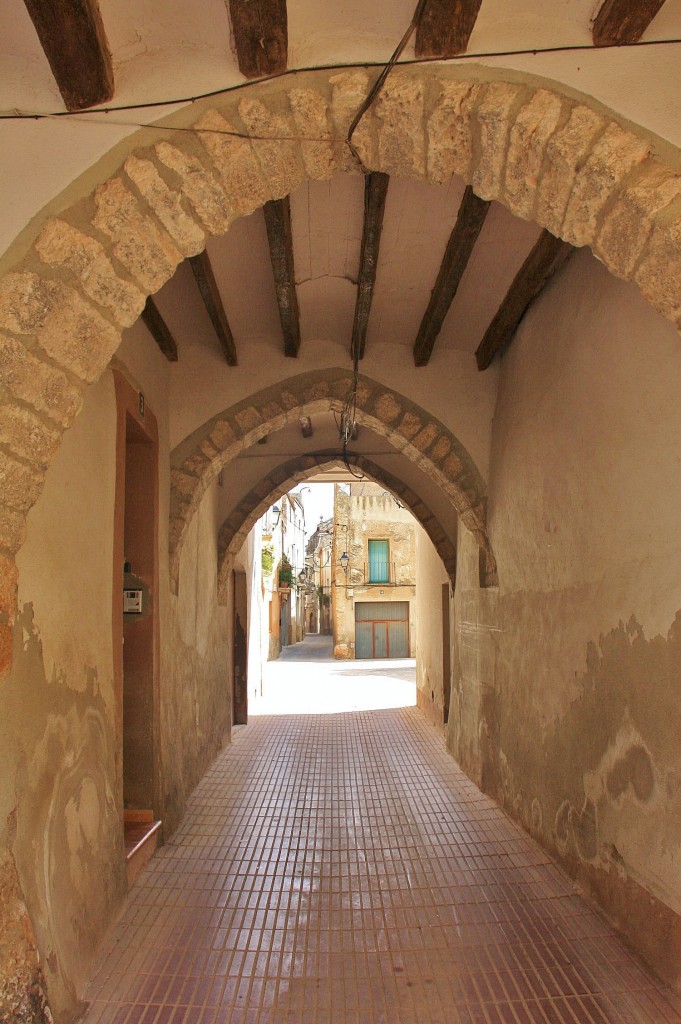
<point x="547" y="155"/>
<point x="245" y="515"/>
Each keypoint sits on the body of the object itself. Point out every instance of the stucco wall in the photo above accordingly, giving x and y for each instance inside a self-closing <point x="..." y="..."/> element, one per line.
<point x="429" y="633"/>
<point x="61" y="837"/>
<point x="196" y="694"/>
<point x="568" y="691"/>
<point x="58" y="709"/>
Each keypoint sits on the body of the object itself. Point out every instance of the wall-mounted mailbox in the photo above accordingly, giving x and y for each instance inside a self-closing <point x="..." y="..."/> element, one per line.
<point x="132" y="602"/>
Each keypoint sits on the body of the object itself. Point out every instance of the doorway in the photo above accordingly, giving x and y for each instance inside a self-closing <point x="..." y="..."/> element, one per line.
<point x="135" y="623"/>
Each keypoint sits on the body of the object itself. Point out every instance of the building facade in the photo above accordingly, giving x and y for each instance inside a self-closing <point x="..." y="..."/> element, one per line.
<point x="282" y="531"/>
<point x="318" y="578"/>
<point x="374" y="574"/>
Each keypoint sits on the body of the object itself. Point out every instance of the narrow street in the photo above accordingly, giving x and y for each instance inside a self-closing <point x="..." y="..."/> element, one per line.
<point x="340" y="868"/>
<point x="305" y="679"/>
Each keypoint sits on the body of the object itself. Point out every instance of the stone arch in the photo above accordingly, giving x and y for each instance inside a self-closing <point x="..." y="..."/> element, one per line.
<point x="423" y="439"/>
<point x="546" y="153"/>
<point x="245" y="515"/>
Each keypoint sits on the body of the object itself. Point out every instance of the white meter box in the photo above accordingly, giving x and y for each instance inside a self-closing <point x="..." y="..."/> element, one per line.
<point x="132" y="602"/>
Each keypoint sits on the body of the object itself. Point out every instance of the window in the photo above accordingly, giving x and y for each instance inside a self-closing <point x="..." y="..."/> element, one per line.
<point x="379" y="568"/>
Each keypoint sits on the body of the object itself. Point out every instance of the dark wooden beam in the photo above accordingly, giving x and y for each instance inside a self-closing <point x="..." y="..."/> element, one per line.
<point x="469" y="221"/>
<point x="547" y="256"/>
<point x="280" y="236"/>
<point x="72" y="35"/>
<point x="205" y="279"/>
<point x="375" y="192"/>
<point x="159" y="330"/>
<point x="445" y="27"/>
<point x="623" y="21"/>
<point x="260" y="32"/>
<point x="306" y="426"/>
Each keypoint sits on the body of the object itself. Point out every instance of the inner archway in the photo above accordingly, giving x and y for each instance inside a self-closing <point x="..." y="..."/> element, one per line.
<point x="239" y="524"/>
<point x="410" y="429"/>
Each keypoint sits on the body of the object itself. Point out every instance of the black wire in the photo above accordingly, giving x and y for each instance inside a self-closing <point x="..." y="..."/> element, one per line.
<point x="380" y="81"/>
<point x="415" y="61"/>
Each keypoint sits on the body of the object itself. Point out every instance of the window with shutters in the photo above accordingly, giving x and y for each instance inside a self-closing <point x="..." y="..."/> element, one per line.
<point x="379" y="566"/>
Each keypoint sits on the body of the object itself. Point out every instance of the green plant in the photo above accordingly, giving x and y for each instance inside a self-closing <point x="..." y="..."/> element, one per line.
<point x="285" y="572"/>
<point x="267" y="559"/>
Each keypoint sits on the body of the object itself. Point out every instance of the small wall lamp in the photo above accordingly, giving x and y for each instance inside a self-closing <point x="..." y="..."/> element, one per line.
<point x="344" y="562"/>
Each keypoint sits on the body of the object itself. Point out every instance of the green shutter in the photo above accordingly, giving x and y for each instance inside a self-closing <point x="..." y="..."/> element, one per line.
<point x="378" y="561"/>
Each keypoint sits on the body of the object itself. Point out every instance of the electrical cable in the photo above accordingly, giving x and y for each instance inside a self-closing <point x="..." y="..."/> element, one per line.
<point x="380" y="81"/>
<point x="182" y="101"/>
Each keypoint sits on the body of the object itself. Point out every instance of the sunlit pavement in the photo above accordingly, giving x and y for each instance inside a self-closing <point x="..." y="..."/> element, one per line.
<point x="306" y="680"/>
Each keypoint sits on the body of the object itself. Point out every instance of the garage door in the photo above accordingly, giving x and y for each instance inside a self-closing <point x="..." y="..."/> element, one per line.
<point x="382" y="629"/>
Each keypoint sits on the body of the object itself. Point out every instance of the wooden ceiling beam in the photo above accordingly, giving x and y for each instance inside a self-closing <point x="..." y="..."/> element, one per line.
<point x="260" y="33"/>
<point x="210" y="293"/>
<point x="71" y="33"/>
<point x="622" y="22"/>
<point x="445" y="27"/>
<point x="280" y="236"/>
<point x="469" y="221"/>
<point x="375" y="192"/>
<point x="159" y="330"/>
<point x="548" y="255"/>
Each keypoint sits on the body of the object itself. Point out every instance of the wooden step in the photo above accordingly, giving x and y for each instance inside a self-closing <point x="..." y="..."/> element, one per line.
<point x="141" y="840"/>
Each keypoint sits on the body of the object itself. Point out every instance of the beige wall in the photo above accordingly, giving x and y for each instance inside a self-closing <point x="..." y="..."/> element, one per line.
<point x="58" y="709"/>
<point x="568" y="691"/>
<point x="60" y="782"/>
<point x="429" y="632"/>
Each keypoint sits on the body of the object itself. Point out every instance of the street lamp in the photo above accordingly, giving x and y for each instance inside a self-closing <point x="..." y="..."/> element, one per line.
<point x="344" y="562"/>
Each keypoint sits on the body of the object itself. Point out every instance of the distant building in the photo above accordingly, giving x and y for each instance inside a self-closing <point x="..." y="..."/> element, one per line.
<point x="318" y="575"/>
<point x="283" y="570"/>
<point x="374" y="574"/>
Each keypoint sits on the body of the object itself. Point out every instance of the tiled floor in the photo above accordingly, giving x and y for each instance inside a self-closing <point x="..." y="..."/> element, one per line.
<point x="340" y="868"/>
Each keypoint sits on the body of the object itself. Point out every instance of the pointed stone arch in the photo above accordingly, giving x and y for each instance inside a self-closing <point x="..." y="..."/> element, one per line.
<point x="423" y="439"/>
<point x="245" y="515"/>
<point x="544" y="152"/>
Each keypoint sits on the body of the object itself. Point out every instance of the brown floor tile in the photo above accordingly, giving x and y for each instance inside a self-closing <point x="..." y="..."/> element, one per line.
<point x="341" y="869"/>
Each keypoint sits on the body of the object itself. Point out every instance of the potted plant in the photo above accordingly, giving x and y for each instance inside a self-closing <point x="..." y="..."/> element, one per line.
<point x="285" y="574"/>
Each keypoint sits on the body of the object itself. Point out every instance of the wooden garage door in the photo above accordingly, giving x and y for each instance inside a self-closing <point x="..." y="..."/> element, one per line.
<point x="382" y="629"/>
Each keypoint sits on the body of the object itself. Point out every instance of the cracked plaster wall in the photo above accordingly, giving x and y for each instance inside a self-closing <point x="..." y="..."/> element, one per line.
<point x="62" y="867"/>
<point x="567" y="681"/>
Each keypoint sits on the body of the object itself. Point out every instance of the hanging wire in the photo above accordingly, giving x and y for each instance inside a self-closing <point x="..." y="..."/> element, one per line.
<point x="380" y="82"/>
